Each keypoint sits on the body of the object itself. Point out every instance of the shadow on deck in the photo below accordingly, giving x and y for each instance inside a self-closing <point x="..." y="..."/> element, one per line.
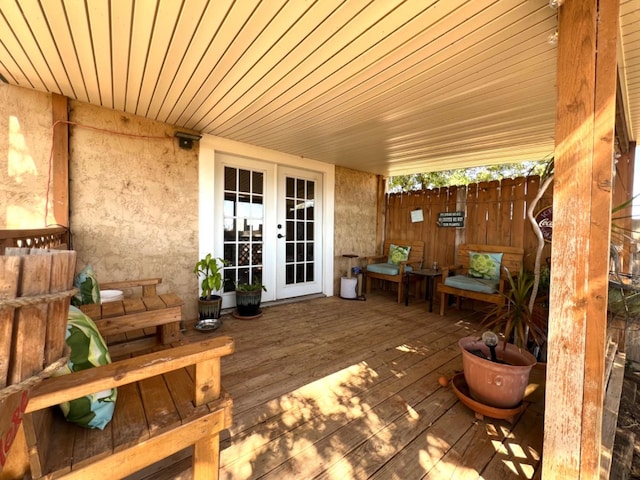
<point x="336" y="389"/>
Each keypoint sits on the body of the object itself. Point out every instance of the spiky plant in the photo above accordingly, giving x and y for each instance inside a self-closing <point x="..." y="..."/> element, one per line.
<point x="514" y="319"/>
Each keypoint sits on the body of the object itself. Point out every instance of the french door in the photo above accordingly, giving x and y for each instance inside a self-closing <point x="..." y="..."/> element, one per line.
<point x="299" y="237"/>
<point x="271" y="218"/>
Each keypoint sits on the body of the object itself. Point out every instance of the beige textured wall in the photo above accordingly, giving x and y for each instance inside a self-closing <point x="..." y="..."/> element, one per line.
<point x="25" y="141"/>
<point x="134" y="201"/>
<point x="355" y="218"/>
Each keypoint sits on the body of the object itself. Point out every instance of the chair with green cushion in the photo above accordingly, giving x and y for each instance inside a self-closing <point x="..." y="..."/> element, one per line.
<point x="398" y="257"/>
<point x="480" y="273"/>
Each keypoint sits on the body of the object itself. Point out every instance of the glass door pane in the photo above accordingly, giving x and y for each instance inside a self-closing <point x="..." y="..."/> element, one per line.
<point x="243" y="219"/>
<point x="300" y="227"/>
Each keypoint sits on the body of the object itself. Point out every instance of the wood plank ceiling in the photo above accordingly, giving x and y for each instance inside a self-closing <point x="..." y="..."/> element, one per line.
<point x="385" y="86"/>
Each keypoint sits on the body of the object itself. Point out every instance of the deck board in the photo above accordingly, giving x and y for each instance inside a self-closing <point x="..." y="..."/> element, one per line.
<point x="337" y="389"/>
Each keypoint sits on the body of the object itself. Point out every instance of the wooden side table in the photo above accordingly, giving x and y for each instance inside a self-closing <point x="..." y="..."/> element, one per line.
<point x="431" y="276"/>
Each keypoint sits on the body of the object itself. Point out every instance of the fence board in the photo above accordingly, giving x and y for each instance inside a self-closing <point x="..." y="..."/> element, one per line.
<point x="503" y="233"/>
<point x="438" y="248"/>
<point x="475" y="225"/>
<point x="519" y="213"/>
<point x="491" y="199"/>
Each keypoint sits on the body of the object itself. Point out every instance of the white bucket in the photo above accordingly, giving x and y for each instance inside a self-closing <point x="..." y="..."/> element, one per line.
<point x="111" y="296"/>
<point x="348" y="287"/>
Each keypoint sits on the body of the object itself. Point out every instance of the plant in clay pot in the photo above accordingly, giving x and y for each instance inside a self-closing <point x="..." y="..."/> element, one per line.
<point x="497" y="372"/>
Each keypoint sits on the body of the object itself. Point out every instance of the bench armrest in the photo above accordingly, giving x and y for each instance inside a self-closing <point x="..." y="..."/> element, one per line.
<point x="55" y="390"/>
<point x="416" y="265"/>
<point x="449" y="269"/>
<point x="375" y="259"/>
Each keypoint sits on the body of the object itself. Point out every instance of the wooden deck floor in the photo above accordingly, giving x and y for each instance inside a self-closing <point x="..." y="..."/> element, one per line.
<point x="337" y="389"/>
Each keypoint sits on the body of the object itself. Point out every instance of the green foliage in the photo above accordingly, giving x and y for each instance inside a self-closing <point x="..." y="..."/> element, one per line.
<point x="620" y="232"/>
<point x="211" y="272"/>
<point x="446" y="178"/>
<point x="514" y="320"/>
<point x="250" y="287"/>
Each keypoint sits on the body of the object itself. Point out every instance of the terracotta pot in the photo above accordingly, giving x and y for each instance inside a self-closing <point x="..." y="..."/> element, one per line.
<point x="500" y="385"/>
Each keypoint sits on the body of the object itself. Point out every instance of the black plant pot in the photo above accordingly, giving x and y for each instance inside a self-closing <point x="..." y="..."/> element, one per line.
<point x="248" y="303"/>
<point x="209" y="308"/>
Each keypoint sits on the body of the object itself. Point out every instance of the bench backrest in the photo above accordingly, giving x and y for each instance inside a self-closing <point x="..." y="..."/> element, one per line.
<point x="416" y="253"/>
<point x="512" y="257"/>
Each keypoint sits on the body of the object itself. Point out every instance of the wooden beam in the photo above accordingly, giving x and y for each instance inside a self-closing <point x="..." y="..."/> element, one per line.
<point x="585" y="122"/>
<point x="600" y="234"/>
<point x="60" y="162"/>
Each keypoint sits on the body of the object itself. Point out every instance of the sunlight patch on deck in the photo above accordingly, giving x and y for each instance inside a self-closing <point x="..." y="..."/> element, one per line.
<point x="307" y="413"/>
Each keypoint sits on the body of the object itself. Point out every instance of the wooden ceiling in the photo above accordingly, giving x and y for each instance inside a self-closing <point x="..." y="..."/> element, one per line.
<point x="385" y="86"/>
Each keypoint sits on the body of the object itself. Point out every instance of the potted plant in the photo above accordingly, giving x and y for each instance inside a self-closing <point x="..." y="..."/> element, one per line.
<point x="496" y="371"/>
<point x="248" y="298"/>
<point x="209" y="270"/>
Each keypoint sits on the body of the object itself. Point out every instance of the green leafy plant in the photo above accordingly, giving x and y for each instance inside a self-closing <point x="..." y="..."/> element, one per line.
<point x="250" y="287"/>
<point x="514" y="319"/>
<point x="210" y="269"/>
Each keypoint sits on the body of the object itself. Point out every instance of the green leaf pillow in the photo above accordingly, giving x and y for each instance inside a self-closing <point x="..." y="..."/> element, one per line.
<point x="88" y="350"/>
<point x="398" y="254"/>
<point x="485" y="265"/>
<point x="87" y="282"/>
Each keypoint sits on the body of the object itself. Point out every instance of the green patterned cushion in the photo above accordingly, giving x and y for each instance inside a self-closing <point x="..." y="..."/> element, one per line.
<point x="398" y="253"/>
<point x="88" y="350"/>
<point x="485" y="265"/>
<point x="87" y="282"/>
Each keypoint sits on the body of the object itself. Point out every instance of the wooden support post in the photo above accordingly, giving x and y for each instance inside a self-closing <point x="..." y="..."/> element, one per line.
<point x="585" y="119"/>
<point x="60" y="162"/>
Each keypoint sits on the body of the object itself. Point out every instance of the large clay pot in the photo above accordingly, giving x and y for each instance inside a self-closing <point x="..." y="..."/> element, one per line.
<point x="500" y="385"/>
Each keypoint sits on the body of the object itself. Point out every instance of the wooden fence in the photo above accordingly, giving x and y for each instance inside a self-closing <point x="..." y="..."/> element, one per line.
<point x="494" y="213"/>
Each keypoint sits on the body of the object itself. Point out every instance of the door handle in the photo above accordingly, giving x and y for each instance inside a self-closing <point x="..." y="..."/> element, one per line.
<point x="280" y="235"/>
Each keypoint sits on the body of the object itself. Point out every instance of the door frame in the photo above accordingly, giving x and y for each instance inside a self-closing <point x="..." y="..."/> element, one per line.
<point x="210" y="235"/>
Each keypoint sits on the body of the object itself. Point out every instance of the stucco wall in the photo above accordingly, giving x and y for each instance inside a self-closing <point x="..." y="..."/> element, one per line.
<point x="355" y="218"/>
<point x="134" y="200"/>
<point x="25" y="141"/>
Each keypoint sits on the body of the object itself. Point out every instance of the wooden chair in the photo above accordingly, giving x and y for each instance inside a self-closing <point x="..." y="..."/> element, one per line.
<point x="162" y="408"/>
<point x="512" y="258"/>
<point x="395" y="275"/>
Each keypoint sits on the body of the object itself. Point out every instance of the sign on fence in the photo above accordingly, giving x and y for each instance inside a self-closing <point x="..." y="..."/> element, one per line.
<point x="451" y="219"/>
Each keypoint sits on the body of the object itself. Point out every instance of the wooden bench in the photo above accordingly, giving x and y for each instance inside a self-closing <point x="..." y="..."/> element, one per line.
<point x="162" y="408"/>
<point x="512" y="258"/>
<point x="415" y="261"/>
<point x="127" y="324"/>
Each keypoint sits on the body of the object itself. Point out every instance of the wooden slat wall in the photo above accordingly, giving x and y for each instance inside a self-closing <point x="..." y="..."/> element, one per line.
<point x="495" y="215"/>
